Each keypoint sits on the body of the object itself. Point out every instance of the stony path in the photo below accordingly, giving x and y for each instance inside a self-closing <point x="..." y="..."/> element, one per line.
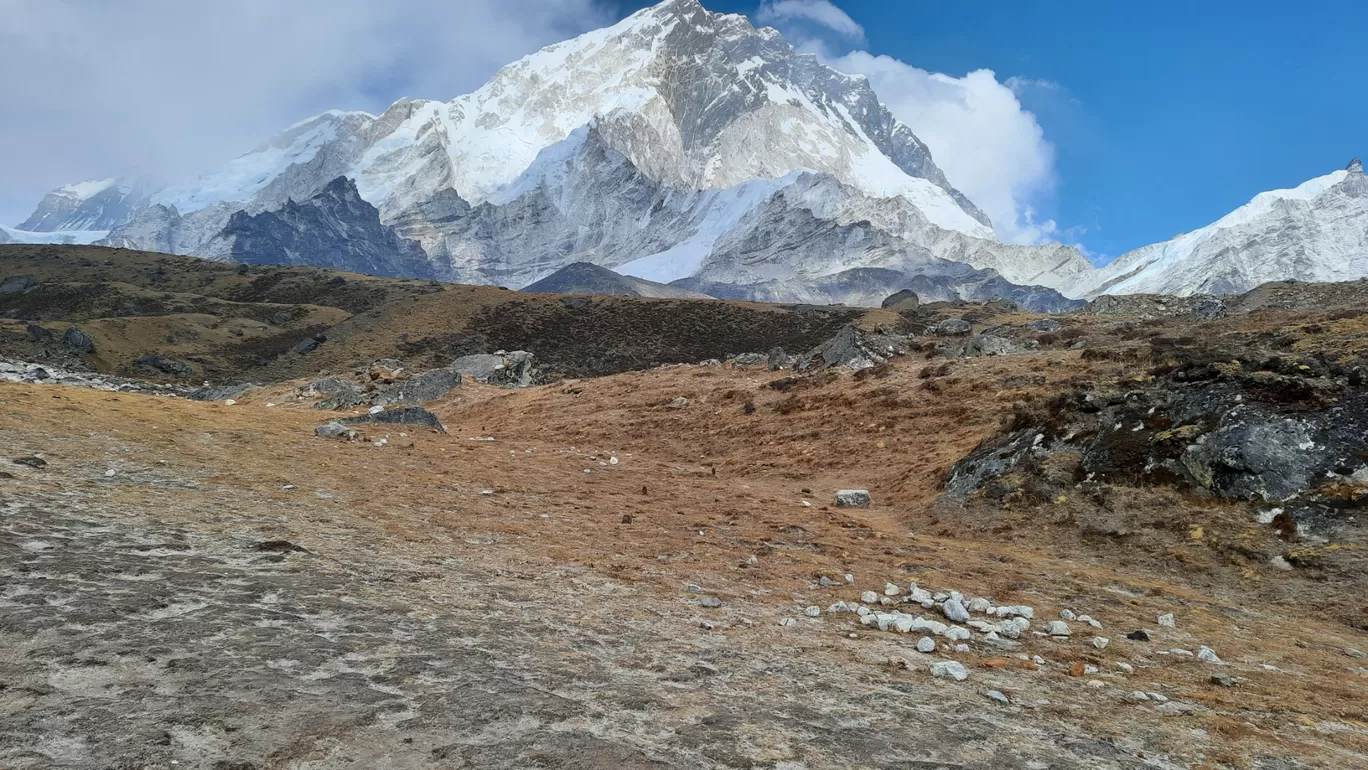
<point x="159" y="638"/>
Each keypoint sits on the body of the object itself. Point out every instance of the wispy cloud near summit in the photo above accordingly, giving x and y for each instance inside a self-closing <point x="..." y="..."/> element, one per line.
<point x="101" y="88"/>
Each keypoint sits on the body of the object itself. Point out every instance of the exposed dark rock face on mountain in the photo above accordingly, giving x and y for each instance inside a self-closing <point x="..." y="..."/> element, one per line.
<point x="332" y="229"/>
<point x="587" y="278"/>
<point x="936" y="281"/>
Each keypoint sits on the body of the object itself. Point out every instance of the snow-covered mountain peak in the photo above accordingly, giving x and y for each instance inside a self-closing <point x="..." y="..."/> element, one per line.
<point x="83" y="191"/>
<point x="1355" y="166"/>
<point x="1315" y="231"/>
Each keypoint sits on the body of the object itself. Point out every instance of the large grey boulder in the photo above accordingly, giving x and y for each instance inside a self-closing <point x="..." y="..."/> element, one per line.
<point x="954" y="327"/>
<point x="406" y="415"/>
<point x="904" y="300"/>
<point x="511" y="370"/>
<point x="219" y="392"/>
<point x="78" y="341"/>
<point x="17" y="284"/>
<point x="428" y="386"/>
<point x="852" y="498"/>
<point x="335" y="430"/>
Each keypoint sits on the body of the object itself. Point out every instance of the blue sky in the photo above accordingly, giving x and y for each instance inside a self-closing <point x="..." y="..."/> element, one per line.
<point x="1164" y="116"/>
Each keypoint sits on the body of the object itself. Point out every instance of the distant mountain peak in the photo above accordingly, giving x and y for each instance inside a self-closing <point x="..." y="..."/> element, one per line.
<point x="1355" y="166"/>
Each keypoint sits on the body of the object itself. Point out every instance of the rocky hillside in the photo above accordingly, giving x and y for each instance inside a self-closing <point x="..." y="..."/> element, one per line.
<point x="948" y="535"/>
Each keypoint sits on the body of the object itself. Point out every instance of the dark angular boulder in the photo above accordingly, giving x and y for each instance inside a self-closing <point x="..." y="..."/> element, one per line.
<point x="904" y="300"/>
<point x="407" y="415"/>
<point x="78" y="341"/>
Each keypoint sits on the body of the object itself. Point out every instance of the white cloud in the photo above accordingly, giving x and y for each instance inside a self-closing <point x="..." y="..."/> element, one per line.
<point x="94" y="88"/>
<point x="989" y="146"/>
<point x="820" y="12"/>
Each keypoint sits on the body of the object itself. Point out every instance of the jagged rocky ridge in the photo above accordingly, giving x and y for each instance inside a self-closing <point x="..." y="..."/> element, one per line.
<point x="332" y="229"/>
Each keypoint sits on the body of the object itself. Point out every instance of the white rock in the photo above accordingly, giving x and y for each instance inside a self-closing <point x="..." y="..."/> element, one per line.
<point x="903" y="624"/>
<point x="926" y="644"/>
<point x="1100" y="642"/>
<point x="849" y="578"/>
<point x="1207" y="654"/>
<point x="1058" y="628"/>
<point x="891" y="590"/>
<point x="928" y="603"/>
<point x="997" y="696"/>
<point x="852" y="498"/>
<point x="1096" y="684"/>
<point x="837" y="607"/>
<point x="1068" y="615"/>
<point x="953" y="610"/>
<point x="813" y="612"/>
<point x="1039" y="661"/>
<point x="957" y="596"/>
<point x="1011" y="611"/>
<point x="862" y="611"/>
<point x="788" y="622"/>
<point x="982" y="626"/>
<point x="1166" y="620"/>
<point x="868" y="619"/>
<point x="753" y="561"/>
<point x="1126" y="667"/>
<point x="1158" y="697"/>
<point x="869" y="597"/>
<point x="1094" y="623"/>
<point x="961" y="648"/>
<point x="940" y="596"/>
<point x="1089" y="669"/>
<point x="930" y="626"/>
<point x="956" y="633"/>
<point x="951" y="669"/>
<point x="1137" y="696"/>
<point x="1085" y="618"/>
<point x="980" y="605"/>
<point x="919" y="595"/>
<point x="887" y="601"/>
<point x="1178" y="651"/>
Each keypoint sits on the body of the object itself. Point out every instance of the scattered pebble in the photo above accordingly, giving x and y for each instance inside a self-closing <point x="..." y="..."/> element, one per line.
<point x="1166" y="620"/>
<point x="1068" y="615"/>
<point x="1100" y="642"/>
<point x="1126" y="667"/>
<point x="997" y="696"/>
<point x="1207" y="654"/>
<point x="813" y="612"/>
<point x="788" y="622"/>
<point x="711" y="602"/>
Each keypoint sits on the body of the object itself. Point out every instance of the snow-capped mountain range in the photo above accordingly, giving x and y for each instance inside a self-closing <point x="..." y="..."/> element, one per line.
<point x="677" y="146"/>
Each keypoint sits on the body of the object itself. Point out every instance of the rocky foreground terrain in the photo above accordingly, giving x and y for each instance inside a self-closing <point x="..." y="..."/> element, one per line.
<point x="1123" y="537"/>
